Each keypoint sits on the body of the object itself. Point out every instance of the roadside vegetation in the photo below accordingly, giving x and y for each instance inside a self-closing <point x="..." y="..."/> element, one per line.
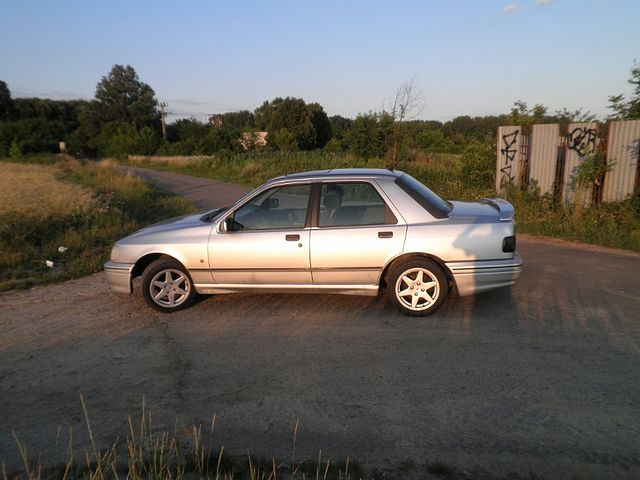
<point x="60" y="216"/>
<point x="466" y="176"/>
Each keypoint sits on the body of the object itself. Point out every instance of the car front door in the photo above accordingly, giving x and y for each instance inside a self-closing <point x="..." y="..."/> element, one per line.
<point x="357" y="233"/>
<point x="265" y="241"/>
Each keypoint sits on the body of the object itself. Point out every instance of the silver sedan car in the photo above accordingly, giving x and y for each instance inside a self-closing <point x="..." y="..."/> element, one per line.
<point x="347" y="231"/>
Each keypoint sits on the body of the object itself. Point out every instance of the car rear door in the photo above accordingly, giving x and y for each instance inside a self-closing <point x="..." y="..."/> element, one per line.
<point x="355" y="234"/>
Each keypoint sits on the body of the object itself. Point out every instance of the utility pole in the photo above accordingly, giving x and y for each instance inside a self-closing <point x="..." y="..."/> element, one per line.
<point x="163" y="114"/>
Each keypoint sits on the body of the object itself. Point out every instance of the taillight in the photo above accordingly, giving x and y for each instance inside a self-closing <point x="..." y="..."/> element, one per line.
<point x="509" y="244"/>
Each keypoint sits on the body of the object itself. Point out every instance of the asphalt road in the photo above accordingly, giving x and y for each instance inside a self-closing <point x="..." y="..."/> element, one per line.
<point x="543" y="377"/>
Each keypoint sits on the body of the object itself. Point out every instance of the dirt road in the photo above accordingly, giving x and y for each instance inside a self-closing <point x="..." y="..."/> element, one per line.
<point x="543" y="377"/>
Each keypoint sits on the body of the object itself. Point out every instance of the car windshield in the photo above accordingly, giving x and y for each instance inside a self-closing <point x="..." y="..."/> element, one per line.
<point x="431" y="202"/>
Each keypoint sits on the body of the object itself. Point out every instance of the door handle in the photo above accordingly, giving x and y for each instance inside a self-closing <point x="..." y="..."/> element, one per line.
<point x="385" y="234"/>
<point x="292" y="238"/>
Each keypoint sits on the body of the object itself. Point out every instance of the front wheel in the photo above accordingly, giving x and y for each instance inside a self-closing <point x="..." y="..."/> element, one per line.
<point x="418" y="287"/>
<point x="166" y="286"/>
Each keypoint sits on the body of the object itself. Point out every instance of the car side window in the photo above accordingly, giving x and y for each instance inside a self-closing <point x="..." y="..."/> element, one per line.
<point x="276" y="208"/>
<point x="353" y="204"/>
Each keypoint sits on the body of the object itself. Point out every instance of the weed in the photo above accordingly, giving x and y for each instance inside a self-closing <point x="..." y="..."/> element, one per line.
<point x="143" y="453"/>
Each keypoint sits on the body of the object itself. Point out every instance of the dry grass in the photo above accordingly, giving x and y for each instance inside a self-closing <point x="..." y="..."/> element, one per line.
<point x="175" y="161"/>
<point x="82" y="206"/>
<point x="35" y="191"/>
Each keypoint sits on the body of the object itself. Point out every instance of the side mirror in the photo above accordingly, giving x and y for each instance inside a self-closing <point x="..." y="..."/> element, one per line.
<point x="230" y="225"/>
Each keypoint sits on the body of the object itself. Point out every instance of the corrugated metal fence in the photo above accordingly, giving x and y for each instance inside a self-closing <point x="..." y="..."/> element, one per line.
<point x="509" y="148"/>
<point x="543" y="156"/>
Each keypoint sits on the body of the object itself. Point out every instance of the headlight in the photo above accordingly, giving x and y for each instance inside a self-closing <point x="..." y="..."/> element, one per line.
<point x="114" y="253"/>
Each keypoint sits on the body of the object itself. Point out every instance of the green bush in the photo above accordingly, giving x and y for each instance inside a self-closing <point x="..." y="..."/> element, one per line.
<point x="184" y="147"/>
<point x="333" y="146"/>
<point x="14" y="150"/>
<point x="479" y="164"/>
<point x="118" y="140"/>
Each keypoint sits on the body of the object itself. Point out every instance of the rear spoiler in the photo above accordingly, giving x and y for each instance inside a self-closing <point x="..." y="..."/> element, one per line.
<point x="504" y="208"/>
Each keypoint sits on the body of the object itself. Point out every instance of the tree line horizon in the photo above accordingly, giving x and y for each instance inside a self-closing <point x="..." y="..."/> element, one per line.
<point x="125" y="118"/>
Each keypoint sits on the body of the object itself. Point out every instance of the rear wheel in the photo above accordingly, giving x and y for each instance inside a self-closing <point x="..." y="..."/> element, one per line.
<point x="166" y="286"/>
<point x="418" y="287"/>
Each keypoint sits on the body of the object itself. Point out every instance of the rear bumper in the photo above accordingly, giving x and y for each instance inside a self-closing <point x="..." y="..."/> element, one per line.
<point x="119" y="276"/>
<point x="482" y="276"/>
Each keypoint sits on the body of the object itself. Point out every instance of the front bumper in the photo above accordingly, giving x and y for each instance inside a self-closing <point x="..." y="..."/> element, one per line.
<point x="482" y="276"/>
<point x="119" y="276"/>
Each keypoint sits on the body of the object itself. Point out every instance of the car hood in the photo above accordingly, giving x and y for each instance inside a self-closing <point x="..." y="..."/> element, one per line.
<point x="490" y="209"/>
<point x="178" y="223"/>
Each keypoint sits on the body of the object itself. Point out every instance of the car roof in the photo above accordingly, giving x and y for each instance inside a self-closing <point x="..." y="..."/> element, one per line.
<point x="340" y="172"/>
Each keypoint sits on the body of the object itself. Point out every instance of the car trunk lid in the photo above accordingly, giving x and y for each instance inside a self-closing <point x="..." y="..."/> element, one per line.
<point x="489" y="208"/>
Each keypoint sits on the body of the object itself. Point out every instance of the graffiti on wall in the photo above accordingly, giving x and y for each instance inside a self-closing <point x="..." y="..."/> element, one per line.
<point x="582" y="140"/>
<point x="509" y="152"/>
<point x="519" y="155"/>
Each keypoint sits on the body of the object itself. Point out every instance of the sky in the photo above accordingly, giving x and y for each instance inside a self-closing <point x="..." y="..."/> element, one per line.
<point x="473" y="57"/>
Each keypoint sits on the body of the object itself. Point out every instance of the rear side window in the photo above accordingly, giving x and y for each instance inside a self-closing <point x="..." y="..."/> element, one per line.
<point x="353" y="204"/>
<point x="431" y="202"/>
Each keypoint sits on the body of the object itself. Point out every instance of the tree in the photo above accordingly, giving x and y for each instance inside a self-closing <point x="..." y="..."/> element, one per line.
<point x="122" y="97"/>
<point x="406" y="104"/>
<point x="321" y="124"/>
<point x="5" y="101"/>
<point x="39" y="125"/>
<point x="187" y="129"/>
<point x="580" y="116"/>
<point x="121" y="100"/>
<point x="284" y="140"/>
<point x="522" y="115"/>
<point x="369" y="134"/>
<point x="339" y="126"/>
<point x="628" y="109"/>
<point x="238" y="120"/>
<point x="84" y="139"/>
<point x="118" y="139"/>
<point x="307" y="125"/>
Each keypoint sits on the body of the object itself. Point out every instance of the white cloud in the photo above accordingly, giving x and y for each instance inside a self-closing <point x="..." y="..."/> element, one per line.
<point x="509" y="8"/>
<point x="541" y="3"/>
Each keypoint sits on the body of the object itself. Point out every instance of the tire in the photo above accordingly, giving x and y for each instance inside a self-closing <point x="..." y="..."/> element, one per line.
<point x="417" y="287"/>
<point x="167" y="286"/>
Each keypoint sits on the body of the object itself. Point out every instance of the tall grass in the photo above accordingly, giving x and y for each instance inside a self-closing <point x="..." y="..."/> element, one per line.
<point x="615" y="225"/>
<point x="113" y="205"/>
<point x="441" y="173"/>
<point x="143" y="452"/>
